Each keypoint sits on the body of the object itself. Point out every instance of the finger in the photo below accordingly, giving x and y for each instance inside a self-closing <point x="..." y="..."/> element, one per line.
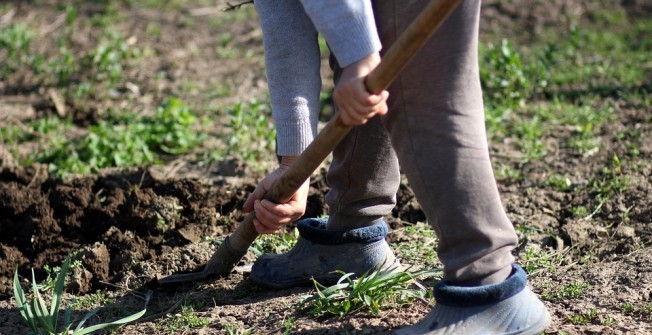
<point x="284" y="213"/>
<point x="262" y="229"/>
<point x="258" y="193"/>
<point x="352" y="119"/>
<point x="268" y="218"/>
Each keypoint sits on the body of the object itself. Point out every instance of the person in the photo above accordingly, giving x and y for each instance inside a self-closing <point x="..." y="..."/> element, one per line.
<point x="435" y="130"/>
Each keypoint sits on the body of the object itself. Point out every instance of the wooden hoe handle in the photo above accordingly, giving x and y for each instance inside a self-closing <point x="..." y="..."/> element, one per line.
<point x="235" y="246"/>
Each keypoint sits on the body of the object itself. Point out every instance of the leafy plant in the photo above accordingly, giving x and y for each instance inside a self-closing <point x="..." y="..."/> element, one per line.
<point x="185" y="320"/>
<point x="570" y="291"/>
<point x="536" y="260"/>
<point x="583" y="318"/>
<point x="275" y="243"/>
<point x="371" y="291"/>
<point x="41" y="320"/>
<point x="131" y="142"/>
<point x="503" y="74"/>
<point x="15" y="40"/>
<point x="253" y="134"/>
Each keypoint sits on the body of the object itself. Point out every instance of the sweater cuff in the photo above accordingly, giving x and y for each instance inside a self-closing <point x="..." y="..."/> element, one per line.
<point x="293" y="137"/>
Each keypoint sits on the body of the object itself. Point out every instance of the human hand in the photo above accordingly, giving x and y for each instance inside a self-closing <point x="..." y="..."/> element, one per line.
<point x="355" y="104"/>
<point x="271" y="217"/>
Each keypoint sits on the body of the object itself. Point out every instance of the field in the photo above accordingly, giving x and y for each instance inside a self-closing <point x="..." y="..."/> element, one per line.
<point x="133" y="131"/>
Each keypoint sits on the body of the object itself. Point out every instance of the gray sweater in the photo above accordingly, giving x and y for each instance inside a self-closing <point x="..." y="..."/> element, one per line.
<point x="290" y="29"/>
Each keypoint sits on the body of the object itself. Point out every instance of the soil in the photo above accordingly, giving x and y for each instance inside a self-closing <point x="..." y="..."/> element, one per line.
<point x="128" y="227"/>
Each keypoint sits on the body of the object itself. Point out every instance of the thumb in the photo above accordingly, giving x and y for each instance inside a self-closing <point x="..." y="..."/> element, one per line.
<point x="257" y="194"/>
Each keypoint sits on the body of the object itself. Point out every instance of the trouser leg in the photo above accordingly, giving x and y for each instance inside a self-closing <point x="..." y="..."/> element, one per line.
<point x="436" y="125"/>
<point x="363" y="177"/>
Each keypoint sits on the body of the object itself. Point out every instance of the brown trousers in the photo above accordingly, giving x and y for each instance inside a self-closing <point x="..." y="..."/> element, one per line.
<point x="435" y="129"/>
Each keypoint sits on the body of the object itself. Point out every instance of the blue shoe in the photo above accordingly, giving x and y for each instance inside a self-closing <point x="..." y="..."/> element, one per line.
<point x="504" y="308"/>
<point x="319" y="252"/>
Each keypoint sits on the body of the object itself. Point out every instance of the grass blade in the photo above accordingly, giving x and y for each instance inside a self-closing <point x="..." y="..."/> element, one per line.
<point x="40" y="309"/>
<point x="23" y="304"/>
<point x="86" y="317"/>
<point x="58" y="291"/>
<point x="122" y="321"/>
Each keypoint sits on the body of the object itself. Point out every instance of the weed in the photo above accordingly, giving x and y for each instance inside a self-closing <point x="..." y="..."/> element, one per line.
<point x="15" y="41"/>
<point x="92" y="300"/>
<point x="253" y="135"/>
<point x="53" y="273"/>
<point x="579" y="211"/>
<point x="612" y="181"/>
<point x="106" y="62"/>
<point x="560" y="182"/>
<point x="536" y="260"/>
<point x="502" y="74"/>
<point x="570" y="291"/>
<point x="133" y="142"/>
<point x="507" y="173"/>
<point x="288" y="325"/>
<point x="40" y="319"/>
<point x="584" y="318"/>
<point x="186" y="320"/>
<point x="644" y="310"/>
<point x="371" y="291"/>
<point x="275" y="243"/>
<point x="419" y="253"/>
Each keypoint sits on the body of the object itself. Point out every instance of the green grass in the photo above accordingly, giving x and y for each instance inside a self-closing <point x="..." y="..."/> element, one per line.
<point x="275" y="243"/>
<point x="132" y="141"/>
<point x="638" y="309"/>
<point x="560" y="82"/>
<point x="253" y="136"/>
<point x="589" y="316"/>
<point x="536" y="260"/>
<point x="569" y="291"/>
<point x="421" y="253"/>
<point x="369" y="293"/>
<point x="184" y="321"/>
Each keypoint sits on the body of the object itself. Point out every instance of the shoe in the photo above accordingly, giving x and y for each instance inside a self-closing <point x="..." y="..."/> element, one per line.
<point x="508" y="307"/>
<point x="320" y="252"/>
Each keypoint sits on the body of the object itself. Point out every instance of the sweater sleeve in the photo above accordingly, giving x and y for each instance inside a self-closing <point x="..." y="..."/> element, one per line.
<point x="348" y="26"/>
<point x="293" y="72"/>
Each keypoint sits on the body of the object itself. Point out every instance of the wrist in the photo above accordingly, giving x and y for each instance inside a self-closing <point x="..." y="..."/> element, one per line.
<point x="287" y="161"/>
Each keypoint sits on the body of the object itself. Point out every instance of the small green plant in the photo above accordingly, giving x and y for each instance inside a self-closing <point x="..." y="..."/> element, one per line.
<point x="506" y="80"/>
<point x="253" y="135"/>
<point x="559" y="182"/>
<point x="536" y="260"/>
<point x="186" y="320"/>
<point x="288" y="325"/>
<point x="644" y="310"/>
<point x="92" y="300"/>
<point x="612" y="181"/>
<point x="371" y="291"/>
<point x="42" y="319"/>
<point x="15" y="41"/>
<point x="275" y="243"/>
<point x="570" y="291"/>
<point x="590" y="316"/>
<point x="423" y="252"/>
<point x="130" y="142"/>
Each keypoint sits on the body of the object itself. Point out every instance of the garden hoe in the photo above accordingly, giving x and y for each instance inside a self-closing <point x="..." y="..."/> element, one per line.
<point x="234" y="247"/>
